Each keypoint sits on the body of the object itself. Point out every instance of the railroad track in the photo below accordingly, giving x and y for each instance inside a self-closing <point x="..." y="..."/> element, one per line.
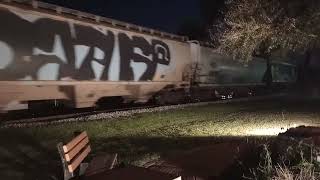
<point x="69" y="117"/>
<point x="111" y="114"/>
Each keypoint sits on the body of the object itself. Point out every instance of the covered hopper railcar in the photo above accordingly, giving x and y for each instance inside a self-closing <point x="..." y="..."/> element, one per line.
<point x="216" y="75"/>
<point x="54" y="54"/>
<point x="49" y="55"/>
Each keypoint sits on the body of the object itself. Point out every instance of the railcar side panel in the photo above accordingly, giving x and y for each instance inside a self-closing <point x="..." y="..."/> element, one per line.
<point x="41" y="51"/>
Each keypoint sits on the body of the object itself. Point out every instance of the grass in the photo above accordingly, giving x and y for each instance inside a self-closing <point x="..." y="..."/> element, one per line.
<point x="287" y="160"/>
<point x="30" y="153"/>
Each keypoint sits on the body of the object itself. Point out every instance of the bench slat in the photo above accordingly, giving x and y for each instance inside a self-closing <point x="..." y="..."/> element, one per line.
<point x="71" y="154"/>
<point x="74" y="142"/>
<point x="73" y="166"/>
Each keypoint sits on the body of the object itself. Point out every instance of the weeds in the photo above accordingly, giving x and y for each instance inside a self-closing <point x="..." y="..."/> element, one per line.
<point x="291" y="165"/>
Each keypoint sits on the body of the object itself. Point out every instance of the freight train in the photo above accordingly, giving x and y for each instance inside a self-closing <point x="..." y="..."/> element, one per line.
<point x="55" y="55"/>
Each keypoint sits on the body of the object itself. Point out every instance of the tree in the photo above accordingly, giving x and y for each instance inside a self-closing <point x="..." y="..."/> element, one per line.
<point x="259" y="27"/>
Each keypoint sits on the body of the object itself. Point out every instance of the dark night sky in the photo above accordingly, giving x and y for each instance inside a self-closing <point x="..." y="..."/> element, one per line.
<point x="165" y="15"/>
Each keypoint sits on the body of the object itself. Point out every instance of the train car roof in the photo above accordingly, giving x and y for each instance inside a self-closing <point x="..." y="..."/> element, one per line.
<point x="83" y="16"/>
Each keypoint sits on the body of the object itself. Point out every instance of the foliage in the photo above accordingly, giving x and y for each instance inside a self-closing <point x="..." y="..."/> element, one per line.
<point x="293" y="165"/>
<point x="258" y="27"/>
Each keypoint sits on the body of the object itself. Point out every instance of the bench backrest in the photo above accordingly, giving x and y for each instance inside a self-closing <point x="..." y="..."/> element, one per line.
<point x="73" y="153"/>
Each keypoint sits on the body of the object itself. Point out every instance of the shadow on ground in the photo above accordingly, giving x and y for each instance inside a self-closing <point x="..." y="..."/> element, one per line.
<point x="23" y="157"/>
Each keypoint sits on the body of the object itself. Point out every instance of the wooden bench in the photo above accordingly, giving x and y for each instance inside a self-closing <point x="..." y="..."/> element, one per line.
<point x="73" y="154"/>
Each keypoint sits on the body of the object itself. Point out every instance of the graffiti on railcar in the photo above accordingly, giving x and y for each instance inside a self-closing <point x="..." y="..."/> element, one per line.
<point x="38" y="48"/>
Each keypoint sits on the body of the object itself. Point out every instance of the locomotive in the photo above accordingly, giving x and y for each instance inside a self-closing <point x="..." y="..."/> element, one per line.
<point x="56" y="55"/>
